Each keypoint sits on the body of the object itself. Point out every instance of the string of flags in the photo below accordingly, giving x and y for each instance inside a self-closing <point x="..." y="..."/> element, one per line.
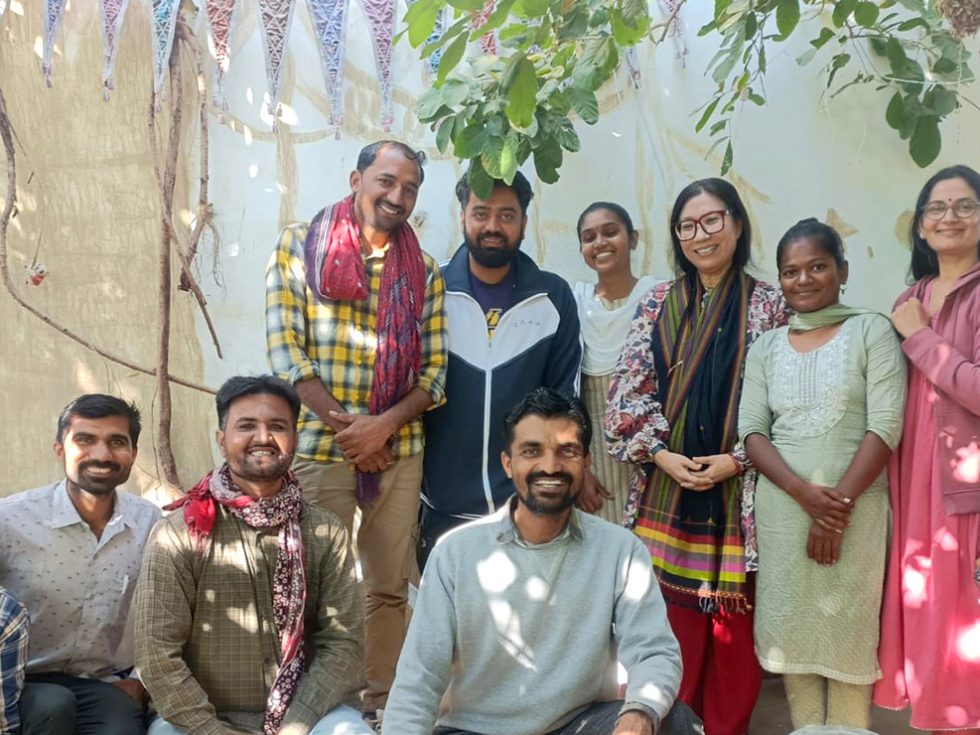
<point x="275" y="16"/>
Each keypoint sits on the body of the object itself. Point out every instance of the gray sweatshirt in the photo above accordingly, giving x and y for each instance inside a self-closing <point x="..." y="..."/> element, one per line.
<point x="521" y="638"/>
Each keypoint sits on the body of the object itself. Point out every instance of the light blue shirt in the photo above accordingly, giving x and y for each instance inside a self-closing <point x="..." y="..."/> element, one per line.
<point x="77" y="588"/>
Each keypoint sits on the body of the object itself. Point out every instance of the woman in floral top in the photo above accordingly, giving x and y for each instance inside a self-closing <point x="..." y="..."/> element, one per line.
<point x="673" y="405"/>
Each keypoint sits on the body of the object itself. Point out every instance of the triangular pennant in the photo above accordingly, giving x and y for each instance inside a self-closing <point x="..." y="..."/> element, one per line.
<point x="277" y="16"/>
<point x="164" y="24"/>
<point x="328" y="22"/>
<point x="53" y="12"/>
<point x="113" y="12"/>
<point x="381" y="18"/>
<point x="220" y="14"/>
<point x="488" y="42"/>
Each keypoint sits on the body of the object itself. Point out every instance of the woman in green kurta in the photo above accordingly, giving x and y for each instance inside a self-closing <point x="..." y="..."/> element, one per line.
<point x="820" y="413"/>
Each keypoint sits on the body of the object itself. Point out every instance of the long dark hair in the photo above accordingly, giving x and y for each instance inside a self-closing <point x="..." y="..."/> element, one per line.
<point x="733" y="203"/>
<point x="924" y="260"/>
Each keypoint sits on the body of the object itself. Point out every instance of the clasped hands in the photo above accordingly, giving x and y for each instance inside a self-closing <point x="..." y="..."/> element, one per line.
<point x="831" y="513"/>
<point x="364" y="440"/>
<point x="696" y="473"/>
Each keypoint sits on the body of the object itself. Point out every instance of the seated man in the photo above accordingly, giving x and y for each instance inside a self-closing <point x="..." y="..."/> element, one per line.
<point x="70" y="552"/>
<point x="522" y="615"/>
<point x="248" y="615"/>
<point x="13" y="660"/>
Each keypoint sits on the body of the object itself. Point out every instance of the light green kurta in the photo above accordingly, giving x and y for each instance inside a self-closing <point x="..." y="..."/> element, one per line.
<point x="816" y="408"/>
<point x="615" y="476"/>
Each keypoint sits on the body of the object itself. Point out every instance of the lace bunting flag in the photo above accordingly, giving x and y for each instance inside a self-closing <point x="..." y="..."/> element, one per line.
<point x="113" y="12"/>
<point x="328" y="23"/>
<point x="276" y="15"/>
<point x="164" y="24"/>
<point x="381" y="18"/>
<point x="53" y="12"/>
<point x="220" y="15"/>
<point x="441" y="26"/>
<point x="488" y="43"/>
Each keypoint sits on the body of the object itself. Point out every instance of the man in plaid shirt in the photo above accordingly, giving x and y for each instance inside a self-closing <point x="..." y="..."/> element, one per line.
<point x="355" y="320"/>
<point x="13" y="660"/>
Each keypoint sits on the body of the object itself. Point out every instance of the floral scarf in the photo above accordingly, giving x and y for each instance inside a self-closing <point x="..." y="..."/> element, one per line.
<point x="281" y="511"/>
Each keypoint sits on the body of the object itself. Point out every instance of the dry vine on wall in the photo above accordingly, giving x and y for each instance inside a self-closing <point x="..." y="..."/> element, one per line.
<point x="171" y="235"/>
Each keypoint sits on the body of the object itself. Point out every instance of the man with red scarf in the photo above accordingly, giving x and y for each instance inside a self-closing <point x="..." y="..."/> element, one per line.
<point x="355" y="320"/>
<point x="248" y="615"/>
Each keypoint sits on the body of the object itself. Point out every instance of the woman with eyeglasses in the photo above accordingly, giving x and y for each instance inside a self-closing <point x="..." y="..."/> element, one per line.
<point x="821" y="412"/>
<point x="930" y="640"/>
<point x="673" y="404"/>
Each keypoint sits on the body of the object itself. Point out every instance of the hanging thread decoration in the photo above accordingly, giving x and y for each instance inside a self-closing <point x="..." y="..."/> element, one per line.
<point x="164" y="25"/>
<point x="680" y="47"/>
<point x="633" y="66"/>
<point x="277" y="16"/>
<point x="220" y="16"/>
<point x="381" y="19"/>
<point x="113" y="13"/>
<point x="54" y="10"/>
<point x="328" y="23"/>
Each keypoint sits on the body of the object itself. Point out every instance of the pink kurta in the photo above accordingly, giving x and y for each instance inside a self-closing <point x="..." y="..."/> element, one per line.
<point x="930" y="638"/>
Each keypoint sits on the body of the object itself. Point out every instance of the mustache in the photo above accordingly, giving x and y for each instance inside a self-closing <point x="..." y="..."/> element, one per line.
<point x="488" y="235"/>
<point x="535" y="476"/>
<point x="101" y="466"/>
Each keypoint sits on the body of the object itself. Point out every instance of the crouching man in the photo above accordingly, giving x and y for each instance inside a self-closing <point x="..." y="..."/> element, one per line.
<point x="247" y="612"/>
<point x="522" y="615"/>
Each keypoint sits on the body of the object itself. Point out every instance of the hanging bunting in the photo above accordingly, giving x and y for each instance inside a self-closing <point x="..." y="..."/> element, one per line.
<point x="164" y="25"/>
<point x="680" y="47"/>
<point x="277" y="16"/>
<point x="441" y="26"/>
<point x="220" y="15"/>
<point x="381" y="18"/>
<point x="488" y="42"/>
<point x="328" y="24"/>
<point x="113" y="12"/>
<point x="633" y="66"/>
<point x="53" y="12"/>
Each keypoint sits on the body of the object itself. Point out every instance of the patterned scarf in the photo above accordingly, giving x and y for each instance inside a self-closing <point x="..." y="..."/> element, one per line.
<point x="282" y="511"/>
<point x="695" y="538"/>
<point x="335" y="272"/>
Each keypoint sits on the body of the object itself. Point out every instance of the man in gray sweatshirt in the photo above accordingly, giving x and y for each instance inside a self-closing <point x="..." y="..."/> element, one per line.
<point x="522" y="615"/>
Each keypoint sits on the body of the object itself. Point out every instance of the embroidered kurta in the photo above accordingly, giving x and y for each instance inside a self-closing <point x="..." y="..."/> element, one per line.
<point x="816" y="408"/>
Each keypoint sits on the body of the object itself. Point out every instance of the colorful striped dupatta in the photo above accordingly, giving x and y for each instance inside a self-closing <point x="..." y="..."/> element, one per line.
<point x="695" y="538"/>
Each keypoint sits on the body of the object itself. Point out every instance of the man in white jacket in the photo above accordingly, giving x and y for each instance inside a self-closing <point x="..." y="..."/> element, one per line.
<point x="522" y="615"/>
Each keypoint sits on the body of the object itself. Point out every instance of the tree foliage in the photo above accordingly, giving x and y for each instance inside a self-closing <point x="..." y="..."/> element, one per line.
<point x="499" y="110"/>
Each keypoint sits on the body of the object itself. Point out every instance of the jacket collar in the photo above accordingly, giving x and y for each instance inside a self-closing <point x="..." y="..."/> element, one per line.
<point x="527" y="281"/>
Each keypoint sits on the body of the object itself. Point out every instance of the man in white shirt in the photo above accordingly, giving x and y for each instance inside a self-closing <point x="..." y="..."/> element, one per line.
<point x="70" y="552"/>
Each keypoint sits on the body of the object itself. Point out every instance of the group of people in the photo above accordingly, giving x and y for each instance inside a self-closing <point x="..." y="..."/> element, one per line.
<point x="794" y="475"/>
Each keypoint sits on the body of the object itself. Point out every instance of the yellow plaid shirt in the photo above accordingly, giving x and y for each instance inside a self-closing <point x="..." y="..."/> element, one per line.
<point x="336" y="342"/>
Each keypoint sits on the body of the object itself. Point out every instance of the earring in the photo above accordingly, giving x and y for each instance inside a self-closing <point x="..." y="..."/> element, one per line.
<point x="843" y="288"/>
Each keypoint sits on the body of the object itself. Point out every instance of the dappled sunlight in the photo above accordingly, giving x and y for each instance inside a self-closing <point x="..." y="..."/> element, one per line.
<point x="287" y="114"/>
<point x="16" y="7"/>
<point x="651" y="692"/>
<point x="247" y="134"/>
<point x="957" y="716"/>
<point x="966" y="466"/>
<point x="496" y="573"/>
<point x="363" y="339"/>
<point x="245" y="617"/>
<point x="536" y="589"/>
<point x="249" y="95"/>
<point x="968" y="642"/>
<point x="639" y="577"/>
<point x="830" y="605"/>
<point x="508" y="625"/>
<point x="915" y="582"/>
<point x="947" y="541"/>
<point x="253" y="170"/>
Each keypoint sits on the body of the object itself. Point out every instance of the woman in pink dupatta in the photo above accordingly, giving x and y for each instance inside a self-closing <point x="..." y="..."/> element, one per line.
<point x="930" y="641"/>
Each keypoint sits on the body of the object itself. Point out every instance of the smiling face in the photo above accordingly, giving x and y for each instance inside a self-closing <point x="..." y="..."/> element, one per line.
<point x="547" y="462"/>
<point x="809" y="275"/>
<point x="493" y="228"/>
<point x="258" y="439"/>
<point x="386" y="191"/>
<point x="98" y="453"/>
<point x="605" y="242"/>
<point x="711" y="254"/>
<point x="950" y="235"/>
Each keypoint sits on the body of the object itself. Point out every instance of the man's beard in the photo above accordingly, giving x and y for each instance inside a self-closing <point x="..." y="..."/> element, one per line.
<point x="492" y="257"/>
<point x="548" y="506"/>
<point x="99" y="484"/>
<point x="247" y="469"/>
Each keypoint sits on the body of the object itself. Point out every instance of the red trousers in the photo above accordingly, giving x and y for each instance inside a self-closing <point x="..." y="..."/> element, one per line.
<point x="722" y="676"/>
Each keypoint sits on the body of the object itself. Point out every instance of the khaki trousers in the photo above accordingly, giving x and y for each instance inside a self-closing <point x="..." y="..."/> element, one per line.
<point x="385" y="548"/>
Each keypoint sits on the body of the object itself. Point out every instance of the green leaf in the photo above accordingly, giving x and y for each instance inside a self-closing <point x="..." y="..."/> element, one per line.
<point x="470" y="5"/>
<point x="531" y="8"/>
<point x="508" y="159"/>
<point x="584" y="103"/>
<point x="726" y="162"/>
<point x="567" y="136"/>
<point x="430" y="103"/>
<point x="420" y="19"/>
<point x="471" y="141"/>
<point x="575" y="25"/>
<point x="706" y="115"/>
<point x="495" y="19"/>
<point x="451" y="57"/>
<point x="940" y="100"/>
<point x="787" y="16"/>
<point x="866" y="13"/>
<point x="895" y="112"/>
<point x="444" y="135"/>
<point x="838" y="63"/>
<point x="842" y="11"/>
<point x="522" y="93"/>
<point x="624" y="33"/>
<point x="454" y="91"/>
<point x="490" y="157"/>
<point x="926" y="141"/>
<point x="547" y="161"/>
<point x="725" y="67"/>
<point x="480" y="183"/>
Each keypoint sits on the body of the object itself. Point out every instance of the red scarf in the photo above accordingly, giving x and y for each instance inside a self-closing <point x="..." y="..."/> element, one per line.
<point x="335" y="272"/>
<point x="281" y="511"/>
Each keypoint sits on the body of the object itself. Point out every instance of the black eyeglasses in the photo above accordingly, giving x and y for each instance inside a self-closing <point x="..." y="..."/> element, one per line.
<point x="710" y="223"/>
<point x="963" y="208"/>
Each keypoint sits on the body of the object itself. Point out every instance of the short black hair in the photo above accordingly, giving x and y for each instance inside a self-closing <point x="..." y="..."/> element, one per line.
<point x="733" y="203"/>
<point x="520" y="185"/>
<point x="99" y="406"/>
<point x="617" y="209"/>
<point x="811" y="228"/>
<point x="369" y="152"/>
<point x="549" y="403"/>
<point x="924" y="260"/>
<point x="248" y="385"/>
